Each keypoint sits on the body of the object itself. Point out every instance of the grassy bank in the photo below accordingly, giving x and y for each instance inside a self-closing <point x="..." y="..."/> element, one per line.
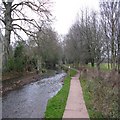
<point x="88" y="97"/>
<point x="56" y="105"/>
<point x="100" y="93"/>
<point x="103" y="66"/>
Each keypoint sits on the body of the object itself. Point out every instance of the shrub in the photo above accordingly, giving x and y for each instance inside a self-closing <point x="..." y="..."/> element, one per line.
<point x="103" y="89"/>
<point x="10" y="66"/>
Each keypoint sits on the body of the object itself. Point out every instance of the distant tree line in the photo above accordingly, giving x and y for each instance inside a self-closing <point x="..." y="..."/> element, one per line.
<point x="42" y="48"/>
<point x="37" y="53"/>
<point x="95" y="38"/>
<point x="14" y="19"/>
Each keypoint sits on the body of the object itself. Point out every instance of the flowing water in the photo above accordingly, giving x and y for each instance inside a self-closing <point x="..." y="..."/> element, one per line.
<point x="30" y="101"/>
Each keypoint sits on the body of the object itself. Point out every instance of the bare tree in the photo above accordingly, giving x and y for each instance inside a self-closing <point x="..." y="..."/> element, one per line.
<point x="15" y="18"/>
<point x="47" y="48"/>
<point x="110" y="16"/>
<point x="84" y="42"/>
<point x="118" y="40"/>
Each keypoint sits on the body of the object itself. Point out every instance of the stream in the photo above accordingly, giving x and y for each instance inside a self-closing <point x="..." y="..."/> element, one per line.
<point x="30" y="101"/>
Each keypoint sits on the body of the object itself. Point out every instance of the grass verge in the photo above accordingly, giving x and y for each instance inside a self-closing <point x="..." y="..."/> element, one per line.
<point x="101" y="94"/>
<point x="103" y="66"/>
<point x="88" y="97"/>
<point x="56" y="105"/>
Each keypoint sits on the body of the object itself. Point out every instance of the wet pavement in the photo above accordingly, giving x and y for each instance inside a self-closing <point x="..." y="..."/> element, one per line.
<point x="75" y="107"/>
<point x="30" y="101"/>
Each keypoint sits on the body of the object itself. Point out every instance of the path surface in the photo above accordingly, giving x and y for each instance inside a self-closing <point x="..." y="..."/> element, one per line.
<point x="75" y="107"/>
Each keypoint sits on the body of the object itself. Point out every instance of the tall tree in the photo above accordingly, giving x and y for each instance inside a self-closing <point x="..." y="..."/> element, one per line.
<point x="47" y="48"/>
<point x="84" y="42"/>
<point x="109" y="15"/>
<point x="118" y="39"/>
<point x="15" y="18"/>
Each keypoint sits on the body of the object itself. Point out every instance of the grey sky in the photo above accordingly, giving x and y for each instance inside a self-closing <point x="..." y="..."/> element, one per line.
<point x="66" y="12"/>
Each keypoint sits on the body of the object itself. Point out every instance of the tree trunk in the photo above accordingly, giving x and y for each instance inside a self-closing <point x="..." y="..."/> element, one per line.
<point x="39" y="64"/>
<point x="108" y="59"/>
<point x="98" y="66"/>
<point x="113" y="38"/>
<point x="92" y="63"/>
<point x="119" y="48"/>
<point x="8" y="29"/>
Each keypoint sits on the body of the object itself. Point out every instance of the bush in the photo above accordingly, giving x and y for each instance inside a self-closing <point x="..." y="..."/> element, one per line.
<point x="103" y="92"/>
<point x="19" y="66"/>
<point x="10" y="66"/>
<point x="44" y="70"/>
<point x="17" y="60"/>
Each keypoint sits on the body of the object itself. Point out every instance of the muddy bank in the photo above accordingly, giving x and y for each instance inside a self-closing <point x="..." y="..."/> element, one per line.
<point x="17" y="82"/>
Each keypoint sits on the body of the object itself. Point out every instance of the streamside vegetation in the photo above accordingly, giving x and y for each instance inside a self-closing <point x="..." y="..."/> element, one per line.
<point x="92" y="45"/>
<point x="29" y="43"/>
<point x="56" y="105"/>
<point x="34" y="54"/>
<point x="101" y="92"/>
<point x="95" y="38"/>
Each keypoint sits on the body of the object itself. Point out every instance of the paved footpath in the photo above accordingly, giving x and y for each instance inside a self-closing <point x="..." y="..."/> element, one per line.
<point x="75" y="107"/>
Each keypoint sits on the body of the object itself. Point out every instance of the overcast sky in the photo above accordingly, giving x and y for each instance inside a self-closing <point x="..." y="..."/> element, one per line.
<point x="66" y="12"/>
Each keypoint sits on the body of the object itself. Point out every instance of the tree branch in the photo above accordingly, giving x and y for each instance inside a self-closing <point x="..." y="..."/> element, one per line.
<point x="4" y="3"/>
<point x="28" y="32"/>
<point x="2" y="20"/>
